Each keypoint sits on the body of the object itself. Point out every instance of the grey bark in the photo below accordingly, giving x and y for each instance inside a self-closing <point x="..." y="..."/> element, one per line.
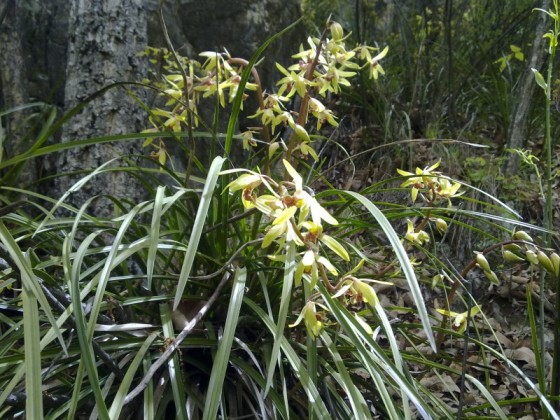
<point x="33" y="38"/>
<point x="105" y="37"/>
<point x="11" y="60"/>
<point x="518" y="124"/>
<point x="11" y="75"/>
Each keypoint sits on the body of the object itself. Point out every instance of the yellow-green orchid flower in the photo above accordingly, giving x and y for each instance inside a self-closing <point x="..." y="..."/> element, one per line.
<point x="460" y="319"/>
<point x="312" y="318"/>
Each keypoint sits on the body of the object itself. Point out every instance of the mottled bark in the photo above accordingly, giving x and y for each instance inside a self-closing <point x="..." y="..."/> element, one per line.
<point x="13" y="87"/>
<point x="105" y="37"/>
<point x="518" y="125"/>
<point x="14" y="91"/>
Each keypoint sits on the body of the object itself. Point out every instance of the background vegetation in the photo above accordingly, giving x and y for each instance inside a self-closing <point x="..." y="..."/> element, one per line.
<point x="410" y="270"/>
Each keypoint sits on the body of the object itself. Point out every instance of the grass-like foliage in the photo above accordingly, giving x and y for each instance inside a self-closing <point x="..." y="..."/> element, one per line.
<point x="239" y="291"/>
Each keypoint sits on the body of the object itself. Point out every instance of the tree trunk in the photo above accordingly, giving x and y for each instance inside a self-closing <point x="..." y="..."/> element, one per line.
<point x="14" y="88"/>
<point x="518" y="123"/>
<point x="105" y="37"/>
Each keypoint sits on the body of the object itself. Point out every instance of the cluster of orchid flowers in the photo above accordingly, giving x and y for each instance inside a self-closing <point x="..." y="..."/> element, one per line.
<point x="324" y="68"/>
<point x="296" y="216"/>
<point x="219" y="75"/>
<point x="431" y="186"/>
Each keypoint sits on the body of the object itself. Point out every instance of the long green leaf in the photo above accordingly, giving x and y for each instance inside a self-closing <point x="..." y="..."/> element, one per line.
<point x="108" y="267"/>
<point x="239" y="96"/>
<point x="154" y="234"/>
<point x="58" y="147"/>
<point x="75" y="398"/>
<point x="32" y="346"/>
<point x="373" y="356"/>
<point x="21" y="108"/>
<point x="312" y="358"/>
<point x="87" y="356"/>
<point x="406" y="266"/>
<point x="29" y="279"/>
<point x="356" y="399"/>
<point x="117" y="405"/>
<point x="541" y="378"/>
<point x="395" y="351"/>
<point x="221" y="360"/>
<point x="259" y="380"/>
<point x="289" y="270"/>
<point x="198" y="227"/>
<point x="487" y="395"/>
<point x="174" y="364"/>
<point x="149" y="401"/>
<point x="76" y="187"/>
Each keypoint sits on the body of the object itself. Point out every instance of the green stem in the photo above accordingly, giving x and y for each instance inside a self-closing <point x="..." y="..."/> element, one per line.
<point x="555" y="385"/>
<point x="548" y="143"/>
<point x="260" y="97"/>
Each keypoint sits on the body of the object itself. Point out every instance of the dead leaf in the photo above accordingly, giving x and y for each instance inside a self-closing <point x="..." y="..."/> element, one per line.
<point x="522" y="354"/>
<point x="443" y="383"/>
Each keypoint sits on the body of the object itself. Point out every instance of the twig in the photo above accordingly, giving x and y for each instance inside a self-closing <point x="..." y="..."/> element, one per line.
<point x="18" y="399"/>
<point x="231" y="220"/>
<point x="11" y="207"/>
<point x="229" y="262"/>
<point x="176" y="343"/>
<point x="465" y="357"/>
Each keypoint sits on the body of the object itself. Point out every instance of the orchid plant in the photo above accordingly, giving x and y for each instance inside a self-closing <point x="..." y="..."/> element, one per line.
<point x="322" y="69"/>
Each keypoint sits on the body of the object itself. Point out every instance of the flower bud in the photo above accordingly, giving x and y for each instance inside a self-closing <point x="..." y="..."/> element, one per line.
<point x="545" y="262"/>
<point x="555" y="258"/>
<point x="482" y="262"/>
<point x="531" y="257"/>
<point x="490" y="275"/>
<point x="301" y="133"/>
<point x="337" y="32"/>
<point x="437" y="280"/>
<point x="511" y="257"/>
<point x="441" y="225"/>
<point x="521" y="235"/>
<point x="313" y="325"/>
<point x="512" y="247"/>
<point x="272" y="148"/>
<point x="245" y="181"/>
<point x="363" y="323"/>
